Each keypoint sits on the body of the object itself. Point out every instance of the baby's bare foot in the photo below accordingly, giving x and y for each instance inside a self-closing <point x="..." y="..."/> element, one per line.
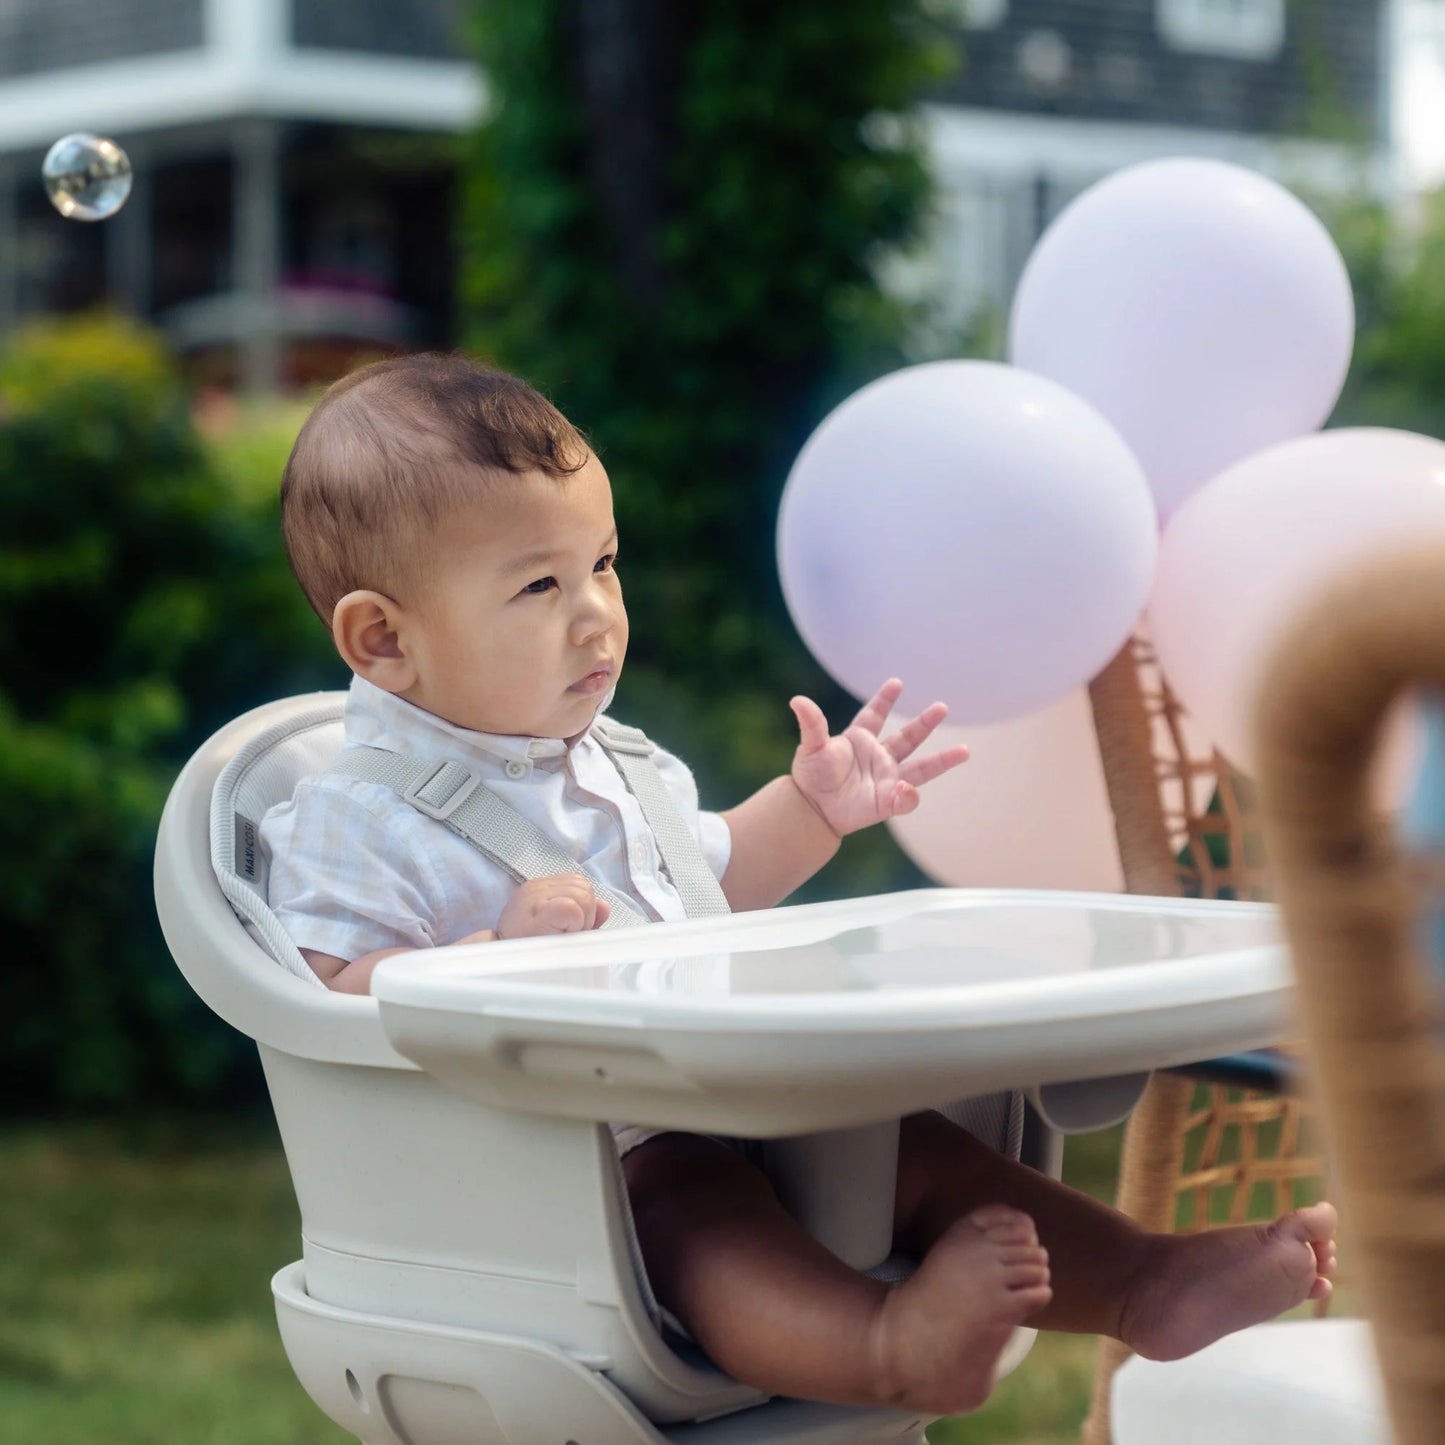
<point x="1194" y="1288"/>
<point x="939" y="1335"/>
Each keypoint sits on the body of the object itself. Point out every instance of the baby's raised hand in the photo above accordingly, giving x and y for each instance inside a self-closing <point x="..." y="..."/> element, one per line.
<point x="563" y="903"/>
<point x="858" y="777"/>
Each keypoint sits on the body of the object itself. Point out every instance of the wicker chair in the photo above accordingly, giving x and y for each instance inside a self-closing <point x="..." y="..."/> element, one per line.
<point x="1188" y="826"/>
<point x="1355" y="896"/>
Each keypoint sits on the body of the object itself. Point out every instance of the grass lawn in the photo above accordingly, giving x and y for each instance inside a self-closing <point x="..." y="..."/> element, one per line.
<point x="135" y="1308"/>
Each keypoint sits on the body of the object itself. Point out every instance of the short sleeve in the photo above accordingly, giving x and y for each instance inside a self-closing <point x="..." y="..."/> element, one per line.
<point x="342" y="879"/>
<point x="710" y="829"/>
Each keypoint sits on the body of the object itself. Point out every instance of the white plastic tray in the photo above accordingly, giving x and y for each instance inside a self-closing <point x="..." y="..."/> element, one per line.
<point x="831" y="1015"/>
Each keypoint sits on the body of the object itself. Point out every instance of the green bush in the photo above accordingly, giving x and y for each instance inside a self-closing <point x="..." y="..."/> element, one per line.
<point x="143" y="600"/>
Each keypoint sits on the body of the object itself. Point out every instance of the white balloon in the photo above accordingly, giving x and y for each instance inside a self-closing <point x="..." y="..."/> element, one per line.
<point x="1201" y="308"/>
<point x="973" y="529"/>
<point x="1029" y="809"/>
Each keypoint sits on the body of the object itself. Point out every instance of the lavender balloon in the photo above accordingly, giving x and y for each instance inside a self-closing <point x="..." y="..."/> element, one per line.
<point x="1199" y="306"/>
<point x="973" y="529"/>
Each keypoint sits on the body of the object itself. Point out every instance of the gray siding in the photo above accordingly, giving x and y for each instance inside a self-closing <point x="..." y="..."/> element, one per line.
<point x="1326" y="78"/>
<point x="416" y="29"/>
<point x="43" y="35"/>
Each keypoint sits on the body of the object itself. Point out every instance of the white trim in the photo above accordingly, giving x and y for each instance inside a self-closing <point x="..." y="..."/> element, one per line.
<point x="964" y="142"/>
<point x="362" y="89"/>
<point x="1223" y="27"/>
<point x="245" y="33"/>
<point x="196" y="87"/>
<point x="1417" y="50"/>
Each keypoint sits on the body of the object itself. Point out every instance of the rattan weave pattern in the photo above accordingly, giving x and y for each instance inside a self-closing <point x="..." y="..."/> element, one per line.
<point x="1236" y="1143"/>
<point x="1231" y="1149"/>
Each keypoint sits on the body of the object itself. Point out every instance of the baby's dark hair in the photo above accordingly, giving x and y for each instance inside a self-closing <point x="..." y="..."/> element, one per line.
<point x="393" y="450"/>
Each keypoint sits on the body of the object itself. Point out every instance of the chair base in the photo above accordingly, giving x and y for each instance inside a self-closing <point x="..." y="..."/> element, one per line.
<point x="396" y="1382"/>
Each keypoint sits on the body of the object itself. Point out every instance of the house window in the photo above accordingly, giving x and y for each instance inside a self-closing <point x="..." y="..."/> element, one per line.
<point x="1243" y="29"/>
<point x="971" y="14"/>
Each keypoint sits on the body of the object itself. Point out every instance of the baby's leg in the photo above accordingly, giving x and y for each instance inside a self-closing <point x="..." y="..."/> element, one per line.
<point x="1164" y="1295"/>
<point x="775" y="1309"/>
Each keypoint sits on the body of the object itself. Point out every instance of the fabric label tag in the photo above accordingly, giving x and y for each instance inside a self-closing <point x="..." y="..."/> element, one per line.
<point x="250" y="860"/>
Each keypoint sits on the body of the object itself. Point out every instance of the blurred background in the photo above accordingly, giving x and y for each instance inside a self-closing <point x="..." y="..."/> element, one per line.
<point x="697" y="227"/>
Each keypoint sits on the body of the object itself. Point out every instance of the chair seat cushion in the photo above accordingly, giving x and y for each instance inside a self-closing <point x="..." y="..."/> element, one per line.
<point x="1298" y="1382"/>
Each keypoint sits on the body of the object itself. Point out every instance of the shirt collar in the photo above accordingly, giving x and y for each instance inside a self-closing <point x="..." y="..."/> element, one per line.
<point x="376" y="718"/>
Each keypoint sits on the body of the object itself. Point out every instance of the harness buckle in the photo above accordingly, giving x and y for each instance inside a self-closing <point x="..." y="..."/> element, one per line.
<point x="441" y="791"/>
<point x="621" y="738"/>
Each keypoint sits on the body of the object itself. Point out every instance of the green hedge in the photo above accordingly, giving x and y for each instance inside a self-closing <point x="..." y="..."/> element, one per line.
<point x="144" y="599"/>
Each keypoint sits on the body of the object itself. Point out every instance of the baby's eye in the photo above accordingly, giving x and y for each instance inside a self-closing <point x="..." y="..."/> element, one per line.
<point x="607" y="563"/>
<point x="542" y="584"/>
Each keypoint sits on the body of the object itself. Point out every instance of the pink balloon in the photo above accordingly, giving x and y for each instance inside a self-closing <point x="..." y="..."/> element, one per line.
<point x="1245" y="553"/>
<point x="1027" y="810"/>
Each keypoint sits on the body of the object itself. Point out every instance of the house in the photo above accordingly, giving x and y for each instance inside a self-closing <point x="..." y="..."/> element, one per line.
<point x="294" y="158"/>
<point x="1051" y="95"/>
<point x="293" y="168"/>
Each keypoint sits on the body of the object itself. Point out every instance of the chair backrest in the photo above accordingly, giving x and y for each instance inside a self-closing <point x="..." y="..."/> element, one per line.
<point x="235" y="974"/>
<point x="264" y="772"/>
<point x="1369" y="995"/>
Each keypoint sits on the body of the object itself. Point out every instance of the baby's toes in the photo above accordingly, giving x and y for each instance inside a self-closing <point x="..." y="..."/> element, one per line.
<point x="1022" y="1253"/>
<point x="1316" y="1223"/>
<point x="1005" y="1227"/>
<point x="1313" y="1227"/>
<point x="1026" y="1269"/>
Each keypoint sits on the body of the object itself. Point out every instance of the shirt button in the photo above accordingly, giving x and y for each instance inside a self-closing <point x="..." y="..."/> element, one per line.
<point x="516" y="769"/>
<point x="640" y="854"/>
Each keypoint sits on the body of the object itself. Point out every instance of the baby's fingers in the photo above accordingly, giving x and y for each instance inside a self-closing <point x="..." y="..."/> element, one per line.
<point x="874" y="713"/>
<point x="915" y="731"/>
<point x="905" y="799"/>
<point x="924" y="770"/>
<point x="812" y="725"/>
<point x="563" y="915"/>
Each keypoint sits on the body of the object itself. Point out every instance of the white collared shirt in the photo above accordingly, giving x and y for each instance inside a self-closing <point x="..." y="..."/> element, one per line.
<point x="354" y="868"/>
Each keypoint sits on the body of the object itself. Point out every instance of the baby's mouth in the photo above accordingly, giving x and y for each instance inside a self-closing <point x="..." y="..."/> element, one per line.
<point x="598" y="680"/>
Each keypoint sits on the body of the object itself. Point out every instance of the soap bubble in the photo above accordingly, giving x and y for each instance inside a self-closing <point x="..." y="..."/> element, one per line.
<point x="86" y="177"/>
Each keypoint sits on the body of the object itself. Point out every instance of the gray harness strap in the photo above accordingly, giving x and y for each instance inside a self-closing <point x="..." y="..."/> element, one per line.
<point x="631" y="753"/>
<point x="456" y="797"/>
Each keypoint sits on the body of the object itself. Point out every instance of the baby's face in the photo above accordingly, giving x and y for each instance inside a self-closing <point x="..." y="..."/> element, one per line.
<point x="522" y="629"/>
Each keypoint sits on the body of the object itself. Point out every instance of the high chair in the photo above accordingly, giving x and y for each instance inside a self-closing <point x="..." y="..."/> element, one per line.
<point x="469" y="1272"/>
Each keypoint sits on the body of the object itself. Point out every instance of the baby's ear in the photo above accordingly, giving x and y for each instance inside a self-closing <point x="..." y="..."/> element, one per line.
<point x="364" y="627"/>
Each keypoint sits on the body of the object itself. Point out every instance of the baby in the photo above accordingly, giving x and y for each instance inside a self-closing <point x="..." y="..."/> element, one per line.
<point x="455" y="534"/>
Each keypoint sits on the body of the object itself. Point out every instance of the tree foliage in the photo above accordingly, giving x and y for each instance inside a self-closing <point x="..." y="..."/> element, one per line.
<point x="673" y="219"/>
<point x="1397" y="269"/>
